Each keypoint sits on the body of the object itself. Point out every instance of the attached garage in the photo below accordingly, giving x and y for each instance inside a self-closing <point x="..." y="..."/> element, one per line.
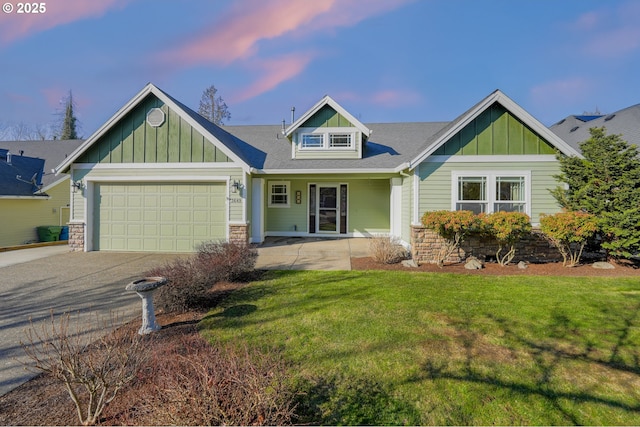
<point x="158" y="216"/>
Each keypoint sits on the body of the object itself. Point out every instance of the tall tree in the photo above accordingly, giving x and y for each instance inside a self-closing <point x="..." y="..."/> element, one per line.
<point x="605" y="183"/>
<point x="212" y="106"/>
<point x="69" y="122"/>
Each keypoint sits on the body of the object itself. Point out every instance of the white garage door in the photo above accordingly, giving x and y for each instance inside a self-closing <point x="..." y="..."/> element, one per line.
<point x="158" y="217"/>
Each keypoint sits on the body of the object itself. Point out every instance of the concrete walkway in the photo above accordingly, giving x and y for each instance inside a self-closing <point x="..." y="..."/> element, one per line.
<point x="310" y="253"/>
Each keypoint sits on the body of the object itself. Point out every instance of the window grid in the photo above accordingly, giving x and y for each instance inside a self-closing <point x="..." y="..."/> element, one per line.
<point x="279" y="194"/>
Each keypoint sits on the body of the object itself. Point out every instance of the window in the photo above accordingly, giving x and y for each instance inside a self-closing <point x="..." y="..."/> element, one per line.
<point x="340" y="140"/>
<point x="279" y="194"/>
<point x="323" y="140"/>
<point x="495" y="192"/>
<point x="310" y="140"/>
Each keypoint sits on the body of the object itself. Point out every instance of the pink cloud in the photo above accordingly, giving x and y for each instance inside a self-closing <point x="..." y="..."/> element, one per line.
<point x="395" y="98"/>
<point x="14" y="26"/>
<point x="237" y="33"/>
<point x="273" y="72"/>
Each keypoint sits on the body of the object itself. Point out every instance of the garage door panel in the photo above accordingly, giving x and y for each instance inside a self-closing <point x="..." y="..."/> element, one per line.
<point x="159" y="216"/>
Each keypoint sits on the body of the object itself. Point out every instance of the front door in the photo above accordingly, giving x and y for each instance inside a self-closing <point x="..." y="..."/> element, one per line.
<point x="328" y="208"/>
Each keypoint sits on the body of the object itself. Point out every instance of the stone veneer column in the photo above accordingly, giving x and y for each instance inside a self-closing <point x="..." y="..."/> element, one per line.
<point x="239" y="234"/>
<point x="76" y="236"/>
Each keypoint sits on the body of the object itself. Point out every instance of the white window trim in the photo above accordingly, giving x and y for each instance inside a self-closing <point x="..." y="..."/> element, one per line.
<point x="326" y="137"/>
<point x="491" y="186"/>
<point x="287" y="185"/>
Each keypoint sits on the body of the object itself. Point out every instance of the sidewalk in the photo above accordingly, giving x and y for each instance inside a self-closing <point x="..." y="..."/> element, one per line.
<point x="19" y="256"/>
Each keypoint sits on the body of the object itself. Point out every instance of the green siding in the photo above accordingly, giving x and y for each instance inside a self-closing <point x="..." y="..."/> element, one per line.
<point x="368" y="205"/>
<point x="495" y="132"/>
<point x="327" y="117"/>
<point x="133" y="140"/>
<point x="436" y="183"/>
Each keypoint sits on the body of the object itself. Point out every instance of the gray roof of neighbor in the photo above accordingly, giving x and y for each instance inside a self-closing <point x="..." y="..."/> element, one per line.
<point x="575" y="129"/>
<point x="52" y="152"/>
<point x="19" y="175"/>
<point x="390" y="145"/>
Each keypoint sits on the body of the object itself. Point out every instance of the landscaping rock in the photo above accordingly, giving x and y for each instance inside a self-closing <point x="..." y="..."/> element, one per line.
<point x="522" y="265"/>
<point x="473" y="263"/>
<point x="603" y="265"/>
<point x="409" y="263"/>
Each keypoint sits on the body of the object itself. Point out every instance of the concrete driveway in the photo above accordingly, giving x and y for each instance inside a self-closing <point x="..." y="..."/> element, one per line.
<point x="35" y="281"/>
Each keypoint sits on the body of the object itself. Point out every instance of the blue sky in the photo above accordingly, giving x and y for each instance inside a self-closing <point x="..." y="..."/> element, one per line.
<point x="383" y="60"/>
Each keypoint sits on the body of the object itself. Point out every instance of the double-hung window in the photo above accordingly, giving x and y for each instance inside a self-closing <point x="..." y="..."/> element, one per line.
<point x="279" y="194"/>
<point x="492" y="192"/>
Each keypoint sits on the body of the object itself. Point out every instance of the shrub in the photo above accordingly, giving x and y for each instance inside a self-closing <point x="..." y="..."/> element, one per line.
<point x="387" y="249"/>
<point x="92" y="368"/>
<point x="507" y="228"/>
<point x="453" y="226"/>
<point x="569" y="232"/>
<point x="190" y="279"/>
<point x="195" y="383"/>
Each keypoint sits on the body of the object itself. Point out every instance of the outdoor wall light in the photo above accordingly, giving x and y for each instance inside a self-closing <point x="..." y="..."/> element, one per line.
<point x="77" y="185"/>
<point x="235" y="186"/>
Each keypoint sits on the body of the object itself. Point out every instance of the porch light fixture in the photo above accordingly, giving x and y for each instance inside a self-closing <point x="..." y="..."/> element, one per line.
<point x="235" y="186"/>
<point x="77" y="185"/>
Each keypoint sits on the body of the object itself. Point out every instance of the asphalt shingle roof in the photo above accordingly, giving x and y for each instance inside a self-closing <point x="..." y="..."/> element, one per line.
<point x="19" y="175"/>
<point x="574" y="130"/>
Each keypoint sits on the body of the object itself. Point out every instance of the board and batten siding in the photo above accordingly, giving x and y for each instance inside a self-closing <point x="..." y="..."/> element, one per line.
<point x="436" y="185"/>
<point x="133" y="140"/>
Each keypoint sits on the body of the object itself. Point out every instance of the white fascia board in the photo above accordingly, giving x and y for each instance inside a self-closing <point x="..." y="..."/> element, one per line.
<point x="25" y="197"/>
<point x="524" y="158"/>
<point x="142" y="166"/>
<point x="321" y="171"/>
<point x="133" y="102"/>
<point x="327" y="100"/>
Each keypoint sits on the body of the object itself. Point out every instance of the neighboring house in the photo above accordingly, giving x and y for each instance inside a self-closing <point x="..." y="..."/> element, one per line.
<point x="159" y="177"/>
<point x="31" y="195"/>
<point x="625" y="122"/>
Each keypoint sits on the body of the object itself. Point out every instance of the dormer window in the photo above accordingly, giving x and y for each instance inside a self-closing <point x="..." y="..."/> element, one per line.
<point x="327" y="140"/>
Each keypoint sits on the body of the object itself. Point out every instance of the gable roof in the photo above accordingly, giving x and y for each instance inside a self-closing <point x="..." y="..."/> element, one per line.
<point x="626" y="122"/>
<point x="229" y="145"/>
<point x="20" y="176"/>
<point x="327" y="100"/>
<point x="446" y="133"/>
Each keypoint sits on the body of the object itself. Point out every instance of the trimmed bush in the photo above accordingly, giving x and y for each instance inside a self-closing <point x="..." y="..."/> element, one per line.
<point x="507" y="228"/>
<point x="190" y="279"/>
<point x="569" y="232"/>
<point x="453" y="226"/>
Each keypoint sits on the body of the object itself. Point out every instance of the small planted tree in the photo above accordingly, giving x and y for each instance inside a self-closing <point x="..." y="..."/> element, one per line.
<point x="452" y="226"/>
<point x="569" y="232"/>
<point x="507" y="228"/>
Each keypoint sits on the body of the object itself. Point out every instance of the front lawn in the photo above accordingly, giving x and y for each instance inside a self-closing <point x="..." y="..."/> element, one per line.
<point x="374" y="347"/>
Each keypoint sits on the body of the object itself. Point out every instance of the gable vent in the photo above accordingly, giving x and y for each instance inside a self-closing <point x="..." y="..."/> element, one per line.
<point x="155" y="117"/>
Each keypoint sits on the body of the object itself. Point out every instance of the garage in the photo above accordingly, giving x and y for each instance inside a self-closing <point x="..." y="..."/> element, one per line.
<point x="158" y="217"/>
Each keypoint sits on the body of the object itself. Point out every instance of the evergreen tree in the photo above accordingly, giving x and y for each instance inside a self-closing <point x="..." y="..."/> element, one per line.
<point x="605" y="183"/>
<point x="68" y="128"/>
<point x="212" y="107"/>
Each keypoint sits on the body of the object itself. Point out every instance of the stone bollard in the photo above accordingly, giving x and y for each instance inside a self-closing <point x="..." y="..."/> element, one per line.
<point x="145" y="288"/>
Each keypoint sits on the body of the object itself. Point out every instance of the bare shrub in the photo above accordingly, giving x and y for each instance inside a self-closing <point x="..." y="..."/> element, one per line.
<point x="194" y="383"/>
<point x="93" y="367"/>
<point x="190" y="279"/>
<point x="387" y="249"/>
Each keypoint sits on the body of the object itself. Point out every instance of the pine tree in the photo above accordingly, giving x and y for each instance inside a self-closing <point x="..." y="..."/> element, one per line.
<point x="212" y="107"/>
<point x="605" y="183"/>
<point x="68" y="128"/>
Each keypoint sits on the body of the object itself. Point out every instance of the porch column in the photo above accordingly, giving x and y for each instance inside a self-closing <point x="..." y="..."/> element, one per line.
<point x="395" y="228"/>
<point x="257" y="210"/>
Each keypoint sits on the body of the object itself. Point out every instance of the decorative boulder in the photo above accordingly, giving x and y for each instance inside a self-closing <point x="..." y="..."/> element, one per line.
<point x="603" y="265"/>
<point x="522" y="265"/>
<point x="473" y="263"/>
<point x="409" y="263"/>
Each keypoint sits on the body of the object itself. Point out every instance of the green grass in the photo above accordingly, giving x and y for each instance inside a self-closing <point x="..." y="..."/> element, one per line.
<point x="415" y="348"/>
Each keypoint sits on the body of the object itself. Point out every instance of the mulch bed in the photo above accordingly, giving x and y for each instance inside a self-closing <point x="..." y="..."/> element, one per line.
<point x="42" y="401"/>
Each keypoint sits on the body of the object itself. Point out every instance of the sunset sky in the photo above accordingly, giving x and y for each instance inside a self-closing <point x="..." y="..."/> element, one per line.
<point x="383" y="60"/>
